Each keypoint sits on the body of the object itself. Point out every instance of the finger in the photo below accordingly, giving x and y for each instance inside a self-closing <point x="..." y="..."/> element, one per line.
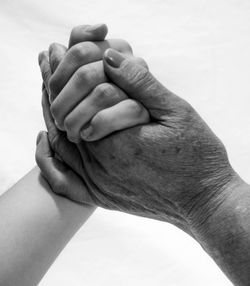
<point x="46" y="73"/>
<point x="79" y="86"/>
<point x="137" y="82"/>
<point x="127" y="113"/>
<point x="139" y="61"/>
<point x="48" y="119"/>
<point x="90" y="33"/>
<point x="60" y="177"/>
<point x="103" y="96"/>
<point x="43" y="60"/>
<point x="56" y="54"/>
<point x="79" y="55"/>
<point x="67" y="151"/>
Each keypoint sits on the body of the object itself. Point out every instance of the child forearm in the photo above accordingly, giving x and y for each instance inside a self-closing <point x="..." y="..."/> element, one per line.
<point x="35" y="226"/>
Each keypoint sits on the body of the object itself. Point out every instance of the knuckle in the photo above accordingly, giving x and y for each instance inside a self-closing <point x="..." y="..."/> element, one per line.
<point x="80" y="51"/>
<point x="141" y="62"/>
<point x="82" y="74"/>
<point x="54" y="109"/>
<point x="138" y="76"/>
<point x="104" y="93"/>
<point x="141" y="75"/>
<point x="68" y="123"/>
<point x="85" y="75"/>
<point x="136" y="108"/>
<point x="99" y="117"/>
<point x="53" y="85"/>
<point x="126" y="46"/>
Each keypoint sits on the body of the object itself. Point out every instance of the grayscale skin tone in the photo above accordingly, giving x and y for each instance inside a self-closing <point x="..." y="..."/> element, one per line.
<point x="36" y="224"/>
<point x="172" y="168"/>
<point x="80" y="91"/>
<point x="30" y="242"/>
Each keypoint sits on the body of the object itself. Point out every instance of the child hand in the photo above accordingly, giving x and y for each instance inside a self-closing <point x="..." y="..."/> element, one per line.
<point x="84" y="103"/>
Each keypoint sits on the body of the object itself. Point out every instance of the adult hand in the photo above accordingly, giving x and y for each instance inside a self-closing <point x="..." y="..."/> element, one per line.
<point x="174" y="169"/>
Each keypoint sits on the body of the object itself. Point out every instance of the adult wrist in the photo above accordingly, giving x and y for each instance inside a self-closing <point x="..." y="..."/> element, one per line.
<point x="210" y="196"/>
<point x="225" y="234"/>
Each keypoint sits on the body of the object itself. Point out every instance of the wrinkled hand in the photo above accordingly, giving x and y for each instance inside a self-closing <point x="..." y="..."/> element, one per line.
<point x="173" y="169"/>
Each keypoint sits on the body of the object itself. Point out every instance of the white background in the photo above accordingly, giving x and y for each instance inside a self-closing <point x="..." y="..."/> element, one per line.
<point x="200" y="49"/>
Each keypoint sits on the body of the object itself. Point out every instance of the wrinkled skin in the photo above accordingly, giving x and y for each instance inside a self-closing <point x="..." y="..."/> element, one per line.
<point x="173" y="169"/>
<point x="165" y="170"/>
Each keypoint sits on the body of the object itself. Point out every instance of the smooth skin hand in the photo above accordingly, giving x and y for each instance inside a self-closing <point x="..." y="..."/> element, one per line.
<point x="83" y="101"/>
<point x="172" y="169"/>
<point x="129" y="114"/>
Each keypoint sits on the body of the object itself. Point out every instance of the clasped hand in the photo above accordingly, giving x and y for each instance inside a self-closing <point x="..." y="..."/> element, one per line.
<point x="125" y="141"/>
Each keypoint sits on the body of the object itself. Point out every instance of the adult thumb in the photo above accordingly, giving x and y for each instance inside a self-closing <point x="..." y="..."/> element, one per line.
<point x="136" y="81"/>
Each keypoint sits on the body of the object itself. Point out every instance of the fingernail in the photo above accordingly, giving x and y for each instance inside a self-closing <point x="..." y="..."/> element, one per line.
<point x="39" y="137"/>
<point x="88" y="132"/>
<point x="113" y="58"/>
<point x="94" y="27"/>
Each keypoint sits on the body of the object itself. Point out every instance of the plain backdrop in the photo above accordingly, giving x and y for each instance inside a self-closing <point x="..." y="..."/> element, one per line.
<point x="200" y="49"/>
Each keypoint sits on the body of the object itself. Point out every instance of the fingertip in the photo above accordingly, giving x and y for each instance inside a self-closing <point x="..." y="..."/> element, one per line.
<point x="43" y="150"/>
<point x="52" y="46"/>
<point x="101" y="27"/>
<point x="59" y="126"/>
<point x="41" y="56"/>
<point x="87" y="133"/>
<point x="105" y="28"/>
<point x="56" y="53"/>
<point x="85" y="33"/>
<point x="39" y="137"/>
